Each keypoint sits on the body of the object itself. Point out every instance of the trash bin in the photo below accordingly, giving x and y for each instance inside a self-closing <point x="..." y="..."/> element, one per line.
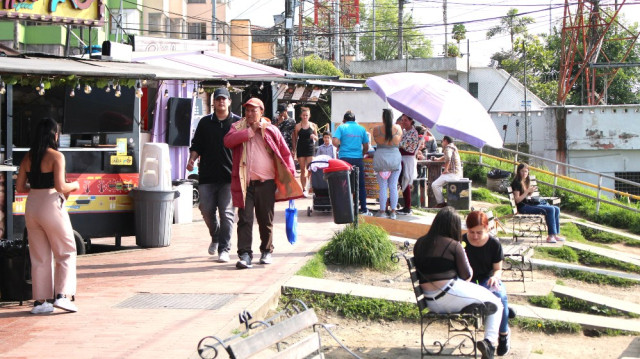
<point x="183" y="205"/>
<point x="153" y="212"/>
<point x="14" y="276"/>
<point x="498" y="180"/>
<point x="337" y="175"/>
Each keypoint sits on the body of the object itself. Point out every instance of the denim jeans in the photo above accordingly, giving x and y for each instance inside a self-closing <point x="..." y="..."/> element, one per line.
<point x="390" y="184"/>
<point x="501" y="293"/>
<point x="216" y="197"/>
<point x="551" y="214"/>
<point x="359" y="162"/>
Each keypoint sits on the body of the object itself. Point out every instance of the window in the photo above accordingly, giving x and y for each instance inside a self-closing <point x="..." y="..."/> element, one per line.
<point x="473" y="89"/>
<point x="177" y="28"/>
<point x="197" y="31"/>
<point x="156" y="25"/>
<point x="625" y="187"/>
<point x="196" y="1"/>
<point x="130" y="21"/>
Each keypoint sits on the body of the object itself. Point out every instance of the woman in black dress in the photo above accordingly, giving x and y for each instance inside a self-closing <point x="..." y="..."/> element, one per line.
<point x="305" y="136"/>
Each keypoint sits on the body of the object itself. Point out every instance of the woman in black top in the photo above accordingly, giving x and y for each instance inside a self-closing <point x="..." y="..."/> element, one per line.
<point x="305" y="136"/>
<point x="522" y="191"/>
<point x="485" y="256"/>
<point x="47" y="221"/>
<point x="444" y="272"/>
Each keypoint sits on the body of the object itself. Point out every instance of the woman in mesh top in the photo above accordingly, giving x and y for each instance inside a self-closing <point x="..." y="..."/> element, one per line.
<point x="444" y="272"/>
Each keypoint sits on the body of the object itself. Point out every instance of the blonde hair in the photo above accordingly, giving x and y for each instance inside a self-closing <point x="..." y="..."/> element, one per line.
<point x="305" y="109"/>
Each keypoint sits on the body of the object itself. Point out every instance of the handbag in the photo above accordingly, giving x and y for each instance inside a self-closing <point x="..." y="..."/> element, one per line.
<point x="535" y="201"/>
<point x="291" y="220"/>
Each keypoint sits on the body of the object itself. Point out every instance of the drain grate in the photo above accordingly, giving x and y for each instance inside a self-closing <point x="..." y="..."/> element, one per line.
<point x="177" y="301"/>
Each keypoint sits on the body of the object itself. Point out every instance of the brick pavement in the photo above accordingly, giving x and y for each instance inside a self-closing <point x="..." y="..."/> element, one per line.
<point x="101" y="329"/>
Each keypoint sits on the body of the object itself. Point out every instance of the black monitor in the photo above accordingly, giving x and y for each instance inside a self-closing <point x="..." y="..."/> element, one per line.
<point x="99" y="112"/>
<point x="179" y="121"/>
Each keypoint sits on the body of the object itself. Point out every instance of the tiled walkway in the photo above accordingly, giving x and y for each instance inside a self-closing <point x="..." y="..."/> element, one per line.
<point x="103" y="328"/>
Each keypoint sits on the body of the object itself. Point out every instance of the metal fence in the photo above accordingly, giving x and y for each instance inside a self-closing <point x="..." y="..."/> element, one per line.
<point x="541" y="165"/>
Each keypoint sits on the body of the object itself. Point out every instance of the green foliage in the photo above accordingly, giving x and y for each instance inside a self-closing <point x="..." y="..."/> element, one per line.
<point x="366" y="245"/>
<point x="484" y="195"/>
<point x="313" y="64"/>
<point x="511" y="24"/>
<point x="459" y="32"/>
<point x="502" y="210"/>
<point x="594" y="260"/>
<point x="598" y="236"/>
<point x="582" y="306"/>
<point x="357" y="307"/>
<point x="590" y="277"/>
<point x="473" y="170"/>
<point x="545" y="326"/>
<point x="453" y="50"/>
<point x="564" y="253"/>
<point x="417" y="45"/>
<point x="315" y="267"/>
<point x="548" y="301"/>
<point x="570" y="230"/>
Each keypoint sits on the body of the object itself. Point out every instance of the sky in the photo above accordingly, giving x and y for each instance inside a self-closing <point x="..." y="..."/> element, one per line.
<point x="478" y="16"/>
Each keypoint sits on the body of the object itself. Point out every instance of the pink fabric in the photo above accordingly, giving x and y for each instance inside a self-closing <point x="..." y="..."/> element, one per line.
<point x="260" y="163"/>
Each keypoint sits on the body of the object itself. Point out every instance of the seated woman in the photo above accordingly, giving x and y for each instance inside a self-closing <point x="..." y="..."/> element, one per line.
<point x="444" y="272"/>
<point x="485" y="257"/>
<point x="522" y="194"/>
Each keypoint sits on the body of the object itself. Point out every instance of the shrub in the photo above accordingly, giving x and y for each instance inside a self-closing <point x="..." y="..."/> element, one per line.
<point x="315" y="267"/>
<point x="366" y="245"/>
<point x="546" y="326"/>
<point x="548" y="301"/>
<point x="484" y="195"/>
<point x="564" y="253"/>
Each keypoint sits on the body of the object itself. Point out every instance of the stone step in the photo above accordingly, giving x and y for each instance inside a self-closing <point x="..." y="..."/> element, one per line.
<point x="606" y="229"/>
<point x="547" y="263"/>
<point x="610" y="253"/>
<point x="593" y="298"/>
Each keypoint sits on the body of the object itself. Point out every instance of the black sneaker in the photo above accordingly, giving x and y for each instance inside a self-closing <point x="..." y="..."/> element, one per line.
<point x="404" y="211"/>
<point x="503" y="344"/>
<point x="486" y="348"/>
<point x="244" y="262"/>
<point x="512" y="313"/>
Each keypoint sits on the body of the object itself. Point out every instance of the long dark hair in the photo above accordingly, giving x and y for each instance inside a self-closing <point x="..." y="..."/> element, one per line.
<point x="446" y="224"/>
<point x="44" y="137"/>
<point x="524" y="181"/>
<point x="387" y="120"/>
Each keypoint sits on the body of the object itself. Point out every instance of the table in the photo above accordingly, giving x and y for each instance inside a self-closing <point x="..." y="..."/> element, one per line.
<point x="434" y="169"/>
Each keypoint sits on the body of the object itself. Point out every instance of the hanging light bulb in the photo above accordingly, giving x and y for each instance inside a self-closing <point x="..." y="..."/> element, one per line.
<point x="200" y="88"/>
<point x="166" y="93"/>
<point x="87" y="89"/>
<point x="41" y="92"/>
<point x="144" y="81"/>
<point x="184" y="83"/>
<point x="40" y="86"/>
<point x="72" y="93"/>
<point x="139" y="92"/>
<point x="227" y="85"/>
<point x="194" y="93"/>
<point x="118" y="91"/>
<point x="3" y="89"/>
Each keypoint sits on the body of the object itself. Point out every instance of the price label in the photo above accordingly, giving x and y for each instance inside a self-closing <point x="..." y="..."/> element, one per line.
<point x="121" y="160"/>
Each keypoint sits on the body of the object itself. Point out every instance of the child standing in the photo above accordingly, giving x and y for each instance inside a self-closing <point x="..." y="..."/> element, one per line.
<point x="327" y="148"/>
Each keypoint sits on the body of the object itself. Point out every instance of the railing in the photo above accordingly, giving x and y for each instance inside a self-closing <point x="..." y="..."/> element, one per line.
<point x="556" y="175"/>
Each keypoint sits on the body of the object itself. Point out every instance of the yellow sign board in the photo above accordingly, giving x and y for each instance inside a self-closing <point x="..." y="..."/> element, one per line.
<point x="78" y="12"/>
<point x="121" y="146"/>
<point x="122" y="160"/>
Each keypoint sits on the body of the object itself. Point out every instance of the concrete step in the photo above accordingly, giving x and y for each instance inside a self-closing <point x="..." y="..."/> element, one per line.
<point x="610" y="253"/>
<point x="547" y="263"/>
<point x="593" y="298"/>
<point x="606" y="229"/>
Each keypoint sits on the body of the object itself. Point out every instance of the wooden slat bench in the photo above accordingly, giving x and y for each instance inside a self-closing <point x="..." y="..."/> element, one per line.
<point x="550" y="200"/>
<point x="275" y="337"/>
<point x="526" y="225"/>
<point x="517" y="261"/>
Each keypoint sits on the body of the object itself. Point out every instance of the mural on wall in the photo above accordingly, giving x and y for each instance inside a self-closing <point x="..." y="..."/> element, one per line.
<point x="78" y="12"/>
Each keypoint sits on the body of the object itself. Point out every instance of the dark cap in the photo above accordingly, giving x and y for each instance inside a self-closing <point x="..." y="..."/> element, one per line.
<point x="349" y="116"/>
<point x="221" y="92"/>
<point x="282" y="107"/>
<point x="254" y="101"/>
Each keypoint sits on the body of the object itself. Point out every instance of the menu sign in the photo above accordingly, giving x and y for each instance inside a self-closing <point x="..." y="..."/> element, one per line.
<point x="77" y="12"/>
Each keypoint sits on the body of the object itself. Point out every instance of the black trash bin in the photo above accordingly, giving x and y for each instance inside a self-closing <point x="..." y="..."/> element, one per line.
<point x="15" y="274"/>
<point x="337" y="175"/>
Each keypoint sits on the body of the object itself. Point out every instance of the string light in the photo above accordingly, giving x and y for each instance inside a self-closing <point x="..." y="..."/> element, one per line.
<point x="3" y="89"/>
<point x="200" y="88"/>
<point x="87" y="89"/>
<point x="195" y="91"/>
<point x="108" y="88"/>
<point x="118" y="90"/>
<point x="41" y="92"/>
<point x="139" y="92"/>
<point x="72" y="93"/>
<point x="166" y="93"/>
<point x="40" y="86"/>
<point x="184" y="83"/>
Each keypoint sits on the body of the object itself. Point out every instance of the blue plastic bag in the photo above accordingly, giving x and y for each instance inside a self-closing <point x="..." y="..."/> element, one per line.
<point x="291" y="219"/>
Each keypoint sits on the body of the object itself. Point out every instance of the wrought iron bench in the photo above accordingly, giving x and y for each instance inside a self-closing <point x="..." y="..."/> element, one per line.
<point x="274" y="337"/>
<point x="517" y="261"/>
<point x="526" y="225"/>
<point x="462" y="328"/>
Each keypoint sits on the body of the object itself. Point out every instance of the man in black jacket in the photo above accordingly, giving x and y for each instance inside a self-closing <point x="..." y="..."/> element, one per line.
<point x="215" y="172"/>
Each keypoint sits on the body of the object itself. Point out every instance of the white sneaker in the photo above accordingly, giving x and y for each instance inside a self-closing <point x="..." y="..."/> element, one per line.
<point x="213" y="248"/>
<point x="223" y="257"/>
<point x="65" y="304"/>
<point x="42" y="308"/>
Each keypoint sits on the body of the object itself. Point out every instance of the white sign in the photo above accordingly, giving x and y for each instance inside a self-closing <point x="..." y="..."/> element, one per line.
<point x="157" y="44"/>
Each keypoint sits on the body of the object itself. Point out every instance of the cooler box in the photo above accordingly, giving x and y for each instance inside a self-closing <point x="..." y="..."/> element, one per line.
<point x="459" y="194"/>
<point x="155" y="168"/>
<point x="183" y="205"/>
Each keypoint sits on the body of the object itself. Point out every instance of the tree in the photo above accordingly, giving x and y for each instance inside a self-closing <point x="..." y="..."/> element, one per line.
<point x="453" y="50"/>
<point x="416" y="44"/>
<point x="313" y="64"/>
<point x="511" y="24"/>
<point x="459" y="33"/>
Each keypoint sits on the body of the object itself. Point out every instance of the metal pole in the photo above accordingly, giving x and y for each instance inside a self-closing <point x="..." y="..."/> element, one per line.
<point x="288" y="29"/>
<point x="400" y="18"/>
<point x="444" y="18"/>
<point x="213" y="20"/>
<point x="336" y="34"/>
<point x="555" y="179"/>
<point x="524" y="54"/>
<point x="373" y="43"/>
<point x="356" y="204"/>
<point x="598" y="194"/>
<point x="8" y="208"/>
<point x="468" y="65"/>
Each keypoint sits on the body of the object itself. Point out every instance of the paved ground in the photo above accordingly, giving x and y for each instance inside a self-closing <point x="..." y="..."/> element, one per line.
<point x="127" y="299"/>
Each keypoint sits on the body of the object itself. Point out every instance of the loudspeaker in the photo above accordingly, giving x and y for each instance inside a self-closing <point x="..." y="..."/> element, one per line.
<point x="179" y="121"/>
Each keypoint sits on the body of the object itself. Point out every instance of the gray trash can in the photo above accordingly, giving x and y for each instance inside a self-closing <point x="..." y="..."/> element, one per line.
<point x="153" y="211"/>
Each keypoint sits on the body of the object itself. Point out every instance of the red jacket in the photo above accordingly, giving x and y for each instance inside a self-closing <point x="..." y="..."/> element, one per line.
<point x="287" y="187"/>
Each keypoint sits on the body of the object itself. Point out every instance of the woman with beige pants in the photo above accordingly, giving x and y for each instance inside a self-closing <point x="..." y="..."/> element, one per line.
<point x="48" y="224"/>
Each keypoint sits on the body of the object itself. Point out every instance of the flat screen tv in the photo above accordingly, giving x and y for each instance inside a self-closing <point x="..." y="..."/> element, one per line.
<point x="179" y="121"/>
<point x="99" y="112"/>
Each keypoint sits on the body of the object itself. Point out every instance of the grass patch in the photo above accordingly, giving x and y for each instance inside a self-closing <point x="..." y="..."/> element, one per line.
<point x="586" y="258"/>
<point x="548" y="301"/>
<point x="485" y="195"/>
<point x="598" y="236"/>
<point x="582" y="306"/>
<point x="356" y="307"/>
<point x="589" y="277"/>
<point x="315" y="267"/>
<point x="562" y="254"/>
<point x="571" y="231"/>
<point x="545" y="326"/>
<point x="366" y="245"/>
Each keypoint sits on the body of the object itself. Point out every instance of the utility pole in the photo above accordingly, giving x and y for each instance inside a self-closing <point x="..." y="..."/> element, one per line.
<point x="444" y="17"/>
<point x="526" y="120"/>
<point x="373" y="43"/>
<point x="288" y="32"/>
<point x="336" y="33"/>
<point x="214" y="36"/>
<point x="400" y="18"/>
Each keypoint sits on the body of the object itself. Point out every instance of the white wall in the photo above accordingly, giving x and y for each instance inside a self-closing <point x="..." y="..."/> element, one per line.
<point x="366" y="105"/>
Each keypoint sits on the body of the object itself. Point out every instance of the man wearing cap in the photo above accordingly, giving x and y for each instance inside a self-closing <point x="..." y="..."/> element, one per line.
<point x="263" y="172"/>
<point x="285" y="124"/>
<point x="214" y="182"/>
<point x="353" y="143"/>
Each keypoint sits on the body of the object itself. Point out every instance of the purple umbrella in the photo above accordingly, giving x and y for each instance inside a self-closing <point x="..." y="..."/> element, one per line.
<point x="434" y="101"/>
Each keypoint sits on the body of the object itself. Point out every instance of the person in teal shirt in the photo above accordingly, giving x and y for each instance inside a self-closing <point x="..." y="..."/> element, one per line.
<point x="352" y="141"/>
